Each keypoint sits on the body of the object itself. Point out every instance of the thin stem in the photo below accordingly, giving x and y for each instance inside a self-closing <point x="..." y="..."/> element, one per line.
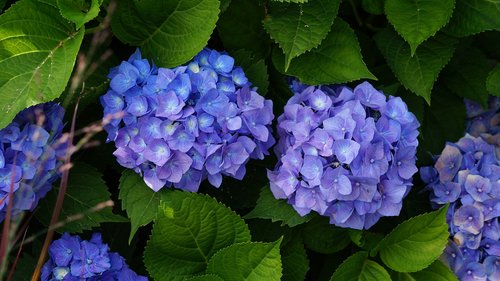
<point x="60" y="200"/>
<point x="14" y="264"/>
<point x="69" y="219"/>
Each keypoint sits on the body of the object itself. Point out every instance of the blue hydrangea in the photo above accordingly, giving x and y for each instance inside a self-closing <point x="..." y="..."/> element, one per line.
<point x="482" y="121"/>
<point x="467" y="176"/>
<point x="183" y="125"/>
<point x="74" y="259"/>
<point x="30" y="154"/>
<point x="348" y="154"/>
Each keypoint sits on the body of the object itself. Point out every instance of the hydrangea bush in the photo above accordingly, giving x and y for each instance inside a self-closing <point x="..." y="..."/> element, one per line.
<point x="30" y="155"/>
<point x="166" y="99"/>
<point x="72" y="258"/>
<point x="348" y="154"/>
<point x="467" y="176"/>
<point x="183" y="125"/>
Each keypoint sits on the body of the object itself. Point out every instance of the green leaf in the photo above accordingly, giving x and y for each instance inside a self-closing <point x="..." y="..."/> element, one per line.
<point x="337" y="60"/>
<point x="240" y="27"/>
<point x="251" y="261"/>
<point x="466" y="74"/>
<point x="255" y="69"/>
<point x="437" y="271"/>
<point x="420" y="240"/>
<point x="79" y="11"/>
<point x="358" y="268"/>
<point x="357" y="236"/>
<point x="86" y="190"/>
<point x="38" y="49"/>
<point x="417" y="20"/>
<point x="170" y="32"/>
<point x="189" y="229"/>
<point x="140" y="202"/>
<point x="206" y="277"/>
<point x="299" y="28"/>
<point x="294" y="259"/>
<point x="322" y="237"/>
<point x="418" y="72"/>
<point x="493" y="81"/>
<point x="274" y="209"/>
<point x="474" y="16"/>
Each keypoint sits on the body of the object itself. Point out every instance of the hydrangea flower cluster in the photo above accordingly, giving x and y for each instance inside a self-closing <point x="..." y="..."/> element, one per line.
<point x="183" y="125"/>
<point x="483" y="121"/>
<point x="30" y="154"/>
<point x="345" y="153"/>
<point x="74" y="259"/>
<point x="467" y="176"/>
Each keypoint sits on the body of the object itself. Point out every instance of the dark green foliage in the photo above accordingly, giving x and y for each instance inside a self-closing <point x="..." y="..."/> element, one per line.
<point x="431" y="53"/>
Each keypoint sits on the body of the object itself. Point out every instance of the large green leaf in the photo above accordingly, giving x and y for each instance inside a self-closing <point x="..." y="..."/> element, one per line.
<point x="322" y="237"/>
<point x="337" y="60"/>
<point x="79" y="11"/>
<point x="418" y="72"/>
<point x="240" y="27"/>
<point x="474" y="16"/>
<point x="359" y="268"/>
<point x="189" y="229"/>
<point x="170" y="32"/>
<point x="417" y="20"/>
<point x="251" y="261"/>
<point x="85" y="191"/>
<point x="420" y="240"/>
<point x="140" y="202"/>
<point x="493" y="81"/>
<point x="297" y="28"/>
<point x="269" y="207"/>
<point x="466" y="74"/>
<point x="437" y="271"/>
<point x="294" y="259"/>
<point x="38" y="48"/>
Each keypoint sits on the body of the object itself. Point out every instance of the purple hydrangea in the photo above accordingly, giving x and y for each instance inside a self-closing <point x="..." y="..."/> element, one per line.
<point x="483" y="121"/>
<point x="74" y="259"/>
<point x="467" y="176"/>
<point x="348" y="154"/>
<point x="183" y="125"/>
<point x="30" y="155"/>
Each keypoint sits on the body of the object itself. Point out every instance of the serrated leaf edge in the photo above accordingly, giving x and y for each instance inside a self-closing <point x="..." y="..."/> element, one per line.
<point x="412" y="49"/>
<point x="428" y="101"/>
<point x="268" y="18"/>
<point x="376" y="250"/>
<point x="277" y="243"/>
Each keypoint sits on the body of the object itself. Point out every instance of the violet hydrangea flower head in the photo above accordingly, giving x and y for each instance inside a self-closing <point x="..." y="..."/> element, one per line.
<point x="183" y="125"/>
<point x="467" y="176"/>
<point x="348" y="154"/>
<point x="483" y="121"/>
<point x="30" y="154"/>
<point x="71" y="258"/>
